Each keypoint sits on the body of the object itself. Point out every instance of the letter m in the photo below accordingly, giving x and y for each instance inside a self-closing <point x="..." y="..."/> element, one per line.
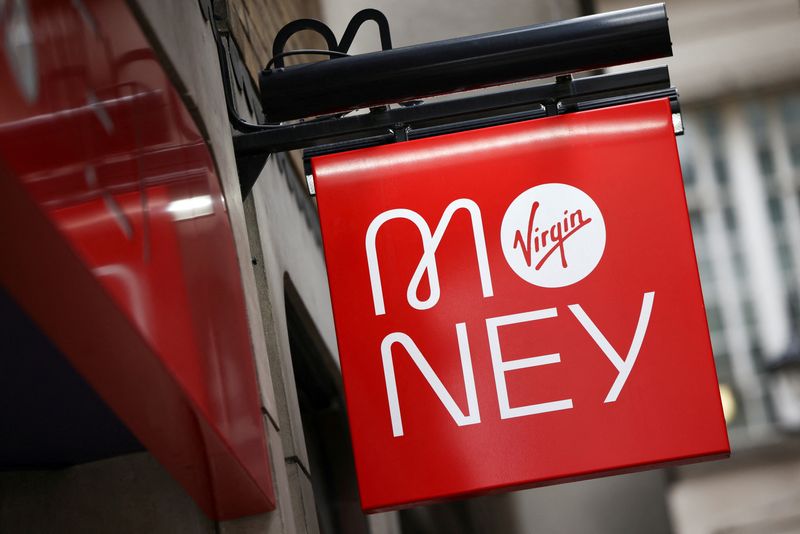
<point x="427" y="264"/>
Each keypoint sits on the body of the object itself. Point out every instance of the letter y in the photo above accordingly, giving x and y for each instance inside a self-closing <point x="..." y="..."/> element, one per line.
<point x="623" y="366"/>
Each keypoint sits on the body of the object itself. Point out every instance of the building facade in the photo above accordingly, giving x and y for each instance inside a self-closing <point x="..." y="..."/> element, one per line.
<point x="278" y="254"/>
<point x="741" y="158"/>
<point x="736" y="67"/>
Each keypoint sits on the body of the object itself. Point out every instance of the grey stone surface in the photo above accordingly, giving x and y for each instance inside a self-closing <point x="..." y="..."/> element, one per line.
<point x="266" y="299"/>
<point x="385" y="523"/>
<point x="286" y="229"/>
<point x="127" y="494"/>
<point x="756" y="491"/>
<point x="622" y="504"/>
<point x="305" y="513"/>
<point x="280" y="521"/>
<point x="286" y="225"/>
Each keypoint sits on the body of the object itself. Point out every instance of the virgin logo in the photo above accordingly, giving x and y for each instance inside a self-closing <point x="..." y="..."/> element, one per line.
<point x="558" y="233"/>
<point x="553" y="235"/>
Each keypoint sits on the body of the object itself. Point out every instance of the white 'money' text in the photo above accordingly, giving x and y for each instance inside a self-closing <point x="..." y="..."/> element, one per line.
<point x="501" y="367"/>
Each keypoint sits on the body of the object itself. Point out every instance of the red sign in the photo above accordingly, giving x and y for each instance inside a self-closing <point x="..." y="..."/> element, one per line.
<point x="116" y="241"/>
<point x="518" y="305"/>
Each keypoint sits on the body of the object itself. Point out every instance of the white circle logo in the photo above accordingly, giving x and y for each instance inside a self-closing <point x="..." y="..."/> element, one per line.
<point x="553" y="235"/>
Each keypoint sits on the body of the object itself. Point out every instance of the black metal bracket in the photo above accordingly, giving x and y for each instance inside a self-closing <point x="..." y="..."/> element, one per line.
<point x="249" y="166"/>
<point x="477" y="61"/>
<point x="355" y="24"/>
<point x="388" y="125"/>
<point x="391" y="82"/>
<point x="337" y="49"/>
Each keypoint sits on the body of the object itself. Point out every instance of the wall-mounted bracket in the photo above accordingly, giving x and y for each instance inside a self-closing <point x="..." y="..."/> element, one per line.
<point x="388" y="125"/>
<point x="390" y="83"/>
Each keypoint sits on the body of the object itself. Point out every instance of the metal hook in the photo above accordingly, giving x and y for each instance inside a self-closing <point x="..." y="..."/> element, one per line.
<point x="335" y="49"/>
<point x="355" y="24"/>
<point x="296" y="26"/>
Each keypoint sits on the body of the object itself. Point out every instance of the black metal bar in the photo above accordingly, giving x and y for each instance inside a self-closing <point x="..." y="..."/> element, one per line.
<point x="470" y="124"/>
<point x="296" y="26"/>
<point x="484" y="122"/>
<point x="378" y="123"/>
<point x="360" y="18"/>
<point x="453" y="65"/>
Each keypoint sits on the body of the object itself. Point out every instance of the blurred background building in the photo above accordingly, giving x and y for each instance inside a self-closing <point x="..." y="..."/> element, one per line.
<point x="737" y="68"/>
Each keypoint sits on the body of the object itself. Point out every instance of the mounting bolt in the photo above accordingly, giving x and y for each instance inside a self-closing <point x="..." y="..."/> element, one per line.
<point x="310" y="182"/>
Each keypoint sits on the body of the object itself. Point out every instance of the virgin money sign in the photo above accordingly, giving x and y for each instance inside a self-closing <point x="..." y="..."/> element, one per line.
<point x="518" y="305"/>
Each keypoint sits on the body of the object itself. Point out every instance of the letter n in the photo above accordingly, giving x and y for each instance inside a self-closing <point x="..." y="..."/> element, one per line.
<point x="472" y="416"/>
